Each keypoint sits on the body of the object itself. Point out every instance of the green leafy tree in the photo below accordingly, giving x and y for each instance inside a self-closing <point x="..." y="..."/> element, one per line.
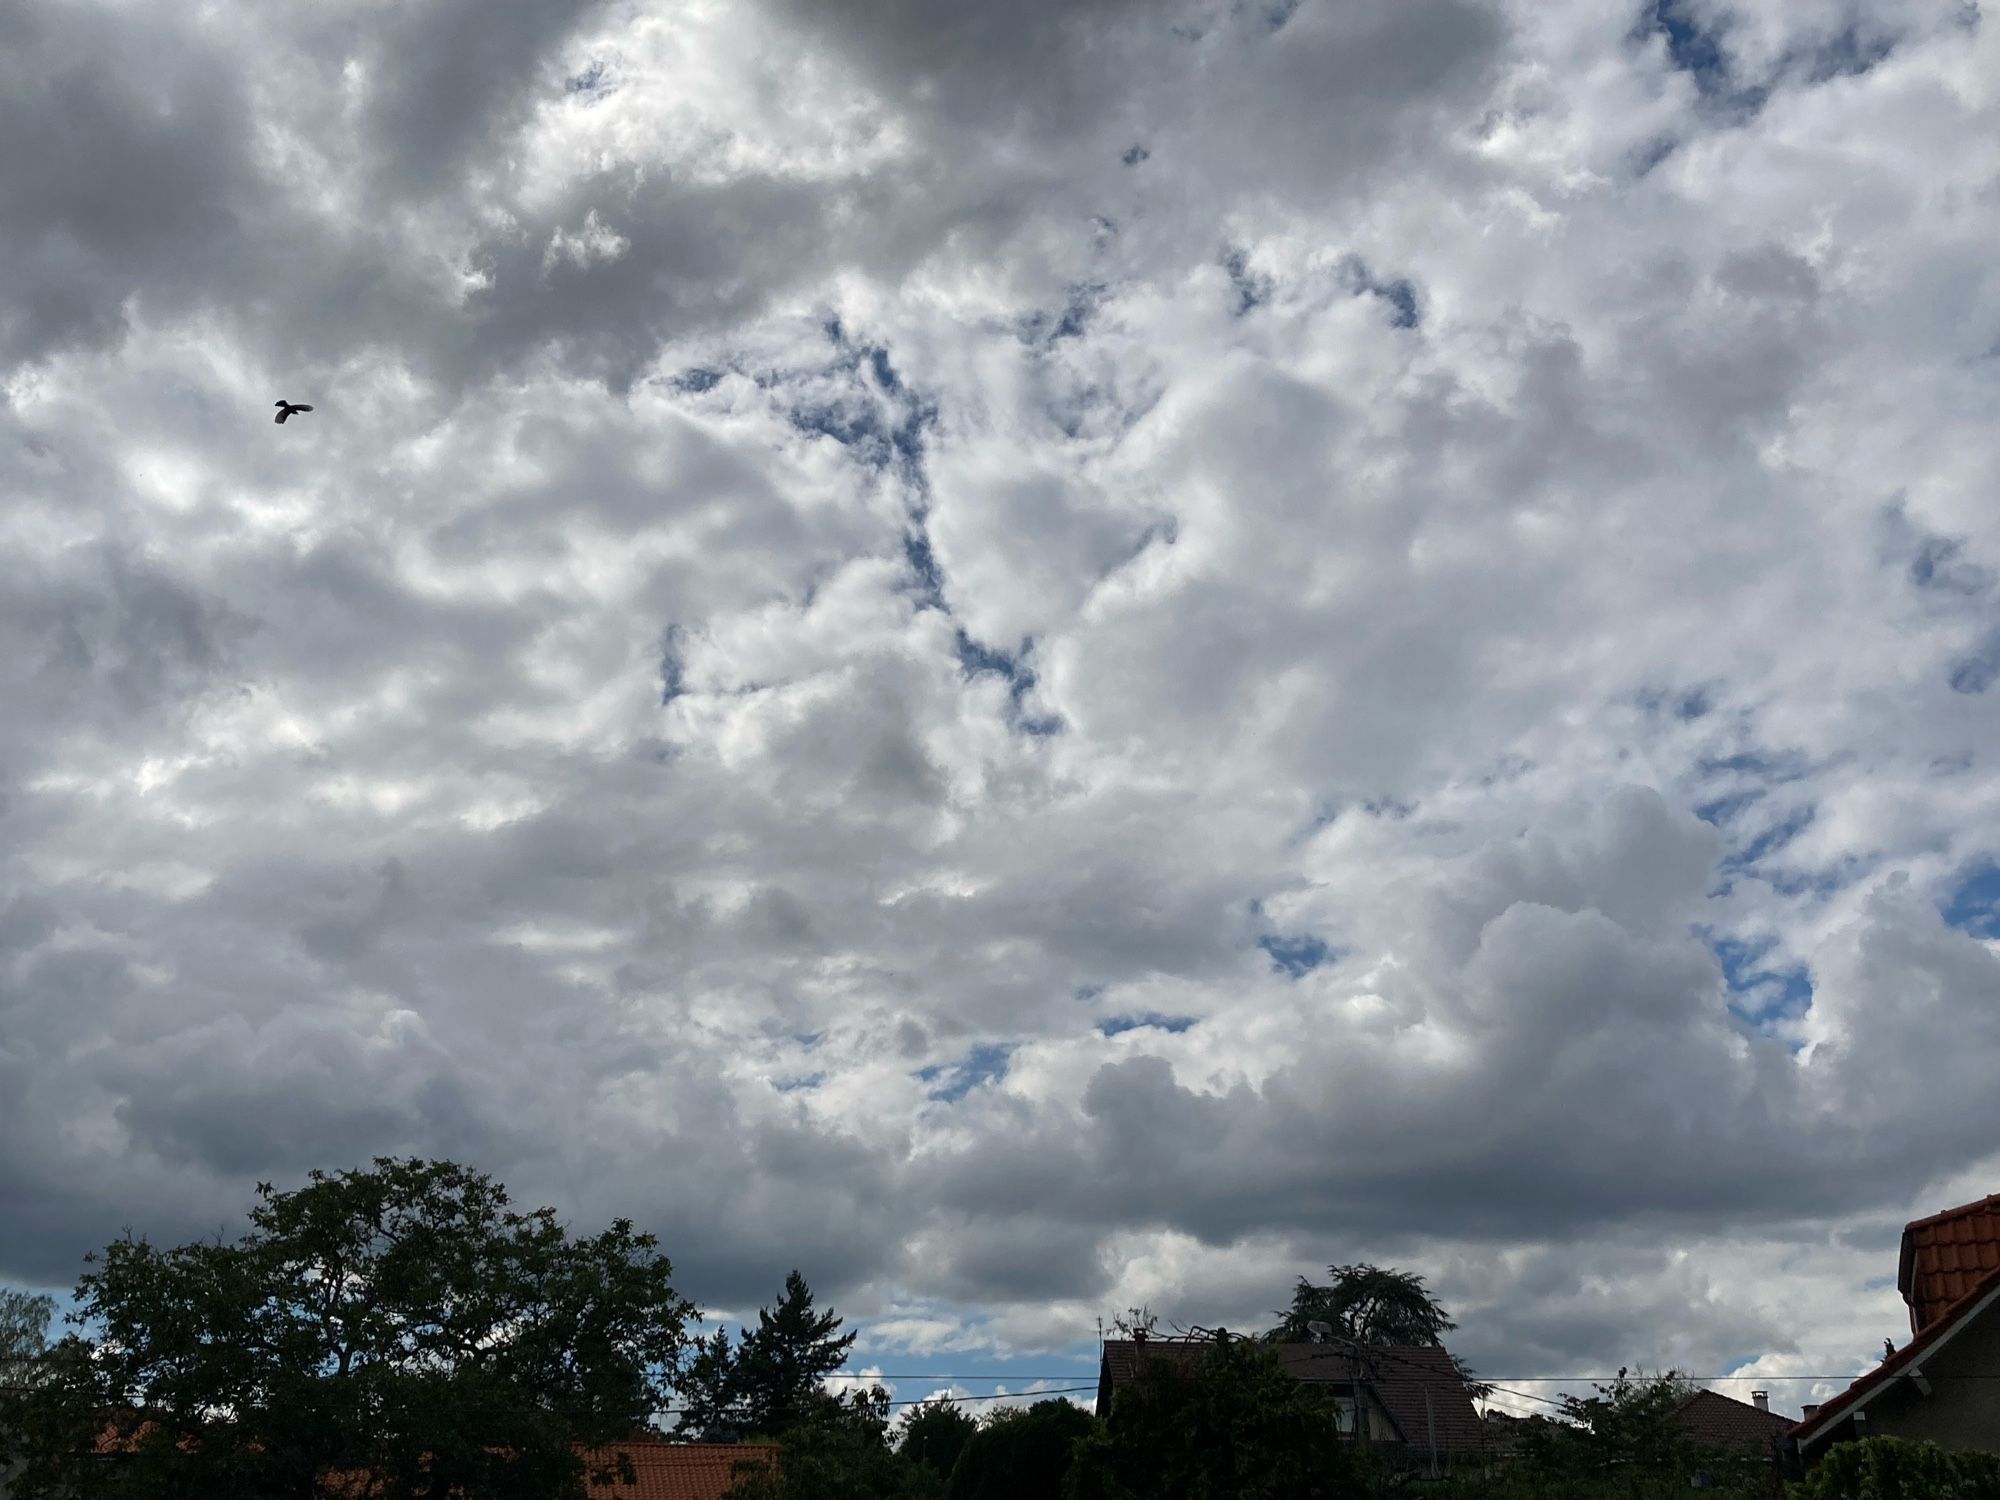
<point x="934" y="1434"/>
<point x="403" y="1323"/>
<point x="1368" y="1304"/>
<point x="839" y="1450"/>
<point x="705" y="1391"/>
<point x="776" y="1374"/>
<point x="1626" y="1439"/>
<point x="1021" y="1455"/>
<point x="1884" y="1468"/>
<point x="24" y="1330"/>
<point x="1232" y="1423"/>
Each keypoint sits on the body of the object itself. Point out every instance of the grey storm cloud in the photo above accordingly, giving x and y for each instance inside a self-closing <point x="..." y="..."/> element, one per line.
<point x="1033" y="657"/>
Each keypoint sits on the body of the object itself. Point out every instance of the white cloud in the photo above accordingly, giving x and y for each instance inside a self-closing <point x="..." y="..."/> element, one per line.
<point x="1033" y="658"/>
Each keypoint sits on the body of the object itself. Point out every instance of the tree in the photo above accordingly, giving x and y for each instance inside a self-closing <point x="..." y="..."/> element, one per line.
<point x="24" y="1330"/>
<point x="705" y="1391"/>
<point x="1231" y="1422"/>
<point x="24" y="1333"/>
<point x="1368" y="1304"/>
<point x="1885" y="1468"/>
<point x="403" y="1322"/>
<point x="1021" y="1455"/>
<point x="839" y="1450"/>
<point x="777" y="1370"/>
<point x="1626" y="1439"/>
<point x="1371" y="1305"/>
<point x="934" y="1434"/>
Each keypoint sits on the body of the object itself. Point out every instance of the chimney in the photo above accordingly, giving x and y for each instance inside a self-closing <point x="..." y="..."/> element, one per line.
<point x="1811" y="1407"/>
<point x="1761" y="1400"/>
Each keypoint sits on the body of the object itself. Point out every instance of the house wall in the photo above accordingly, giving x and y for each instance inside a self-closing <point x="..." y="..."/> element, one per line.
<point x="1962" y="1411"/>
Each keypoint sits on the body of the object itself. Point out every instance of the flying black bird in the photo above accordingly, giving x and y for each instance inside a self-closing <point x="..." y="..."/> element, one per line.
<point x="286" y="408"/>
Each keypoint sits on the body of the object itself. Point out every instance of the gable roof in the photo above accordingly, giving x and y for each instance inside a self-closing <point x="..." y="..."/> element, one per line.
<point x="677" y="1471"/>
<point x="1711" y="1417"/>
<point x="1906" y="1360"/>
<point x="1417" y="1384"/>
<point x="1944" y="1256"/>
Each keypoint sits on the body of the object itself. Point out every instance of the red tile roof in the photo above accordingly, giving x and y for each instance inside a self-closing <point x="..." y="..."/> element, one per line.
<point x="678" y="1471"/>
<point x="1834" y="1412"/>
<point x="1711" y="1417"/>
<point x="1945" y="1255"/>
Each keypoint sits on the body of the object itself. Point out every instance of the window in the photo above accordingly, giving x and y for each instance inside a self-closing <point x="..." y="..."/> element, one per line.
<point x="1346" y="1417"/>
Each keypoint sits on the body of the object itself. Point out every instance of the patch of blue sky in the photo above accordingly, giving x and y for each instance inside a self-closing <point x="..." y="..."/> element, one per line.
<point x="673" y="664"/>
<point x="1697" y="46"/>
<point x="1297" y="956"/>
<point x="1974" y="903"/>
<point x="696" y="380"/>
<point x="589" y="81"/>
<point x="1975" y="672"/>
<point x="1080" y="304"/>
<point x="1940" y="564"/>
<point x="1399" y="293"/>
<point x="1878" y="1283"/>
<point x="798" y="1082"/>
<point x="1848" y="54"/>
<point x="976" y="659"/>
<point x="1146" y="1020"/>
<point x="1253" y="288"/>
<point x="985" y="1063"/>
<point x="924" y="565"/>
<point x="1760" y="991"/>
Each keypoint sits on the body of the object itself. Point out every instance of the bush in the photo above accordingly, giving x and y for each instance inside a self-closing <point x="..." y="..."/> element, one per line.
<point x="1884" y="1468"/>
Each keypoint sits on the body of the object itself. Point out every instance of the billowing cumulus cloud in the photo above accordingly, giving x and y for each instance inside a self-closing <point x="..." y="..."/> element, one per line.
<point x="1034" y="657"/>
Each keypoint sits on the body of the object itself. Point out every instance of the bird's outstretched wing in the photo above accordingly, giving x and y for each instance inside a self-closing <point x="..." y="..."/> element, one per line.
<point x="302" y="408"/>
<point x="280" y="417"/>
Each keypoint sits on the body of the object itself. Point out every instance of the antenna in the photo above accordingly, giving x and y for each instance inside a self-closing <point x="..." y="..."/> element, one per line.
<point x="1319" y="1331"/>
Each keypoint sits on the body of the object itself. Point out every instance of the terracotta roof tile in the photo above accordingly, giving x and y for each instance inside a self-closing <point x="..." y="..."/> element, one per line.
<point x="1945" y="1255"/>
<point x="678" y="1471"/>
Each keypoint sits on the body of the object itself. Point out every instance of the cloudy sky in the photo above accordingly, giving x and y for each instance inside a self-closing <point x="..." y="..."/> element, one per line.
<point x="1036" y="656"/>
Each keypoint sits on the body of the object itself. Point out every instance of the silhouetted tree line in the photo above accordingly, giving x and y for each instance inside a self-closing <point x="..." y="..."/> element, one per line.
<point x="405" y="1326"/>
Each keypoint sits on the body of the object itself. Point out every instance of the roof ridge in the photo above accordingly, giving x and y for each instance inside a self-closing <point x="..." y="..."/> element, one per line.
<point x="1991" y="1200"/>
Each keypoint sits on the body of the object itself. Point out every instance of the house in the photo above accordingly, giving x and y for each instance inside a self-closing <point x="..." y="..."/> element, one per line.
<point x="1944" y="1256"/>
<point x="1944" y="1384"/>
<point x="678" y="1471"/>
<point x="1407" y="1401"/>
<point x="1719" y="1421"/>
<point x="661" y="1470"/>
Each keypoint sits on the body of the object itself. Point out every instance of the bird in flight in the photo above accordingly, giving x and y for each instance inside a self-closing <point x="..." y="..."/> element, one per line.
<point x="287" y="408"/>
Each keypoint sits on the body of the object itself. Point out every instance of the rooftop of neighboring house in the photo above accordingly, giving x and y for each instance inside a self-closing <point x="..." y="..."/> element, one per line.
<point x="1418" y="1386"/>
<point x="1711" y="1417"/>
<point x="1945" y="1256"/>
<point x="1981" y="1299"/>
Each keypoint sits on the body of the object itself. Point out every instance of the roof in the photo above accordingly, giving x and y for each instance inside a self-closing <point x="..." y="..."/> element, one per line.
<point x="663" y="1470"/>
<point x="1400" y="1375"/>
<point x="678" y="1471"/>
<point x="1945" y="1256"/>
<point x="1907" y="1359"/>
<point x="1711" y="1417"/>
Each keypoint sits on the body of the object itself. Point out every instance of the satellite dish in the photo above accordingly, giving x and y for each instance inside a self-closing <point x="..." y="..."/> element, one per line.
<point x="1319" y="1330"/>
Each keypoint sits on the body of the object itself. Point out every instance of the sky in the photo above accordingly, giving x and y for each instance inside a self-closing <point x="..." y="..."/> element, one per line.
<point x="1038" y="657"/>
